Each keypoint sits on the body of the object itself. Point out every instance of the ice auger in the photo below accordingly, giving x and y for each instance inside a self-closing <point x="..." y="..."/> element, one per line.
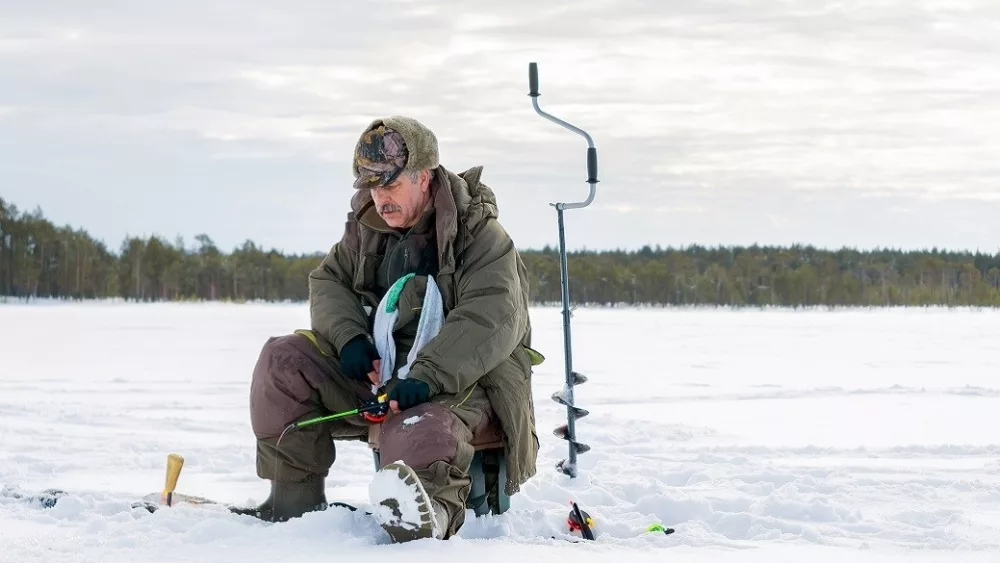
<point x="565" y="396"/>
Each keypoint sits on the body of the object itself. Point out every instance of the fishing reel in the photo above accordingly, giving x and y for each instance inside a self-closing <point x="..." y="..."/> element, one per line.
<point x="579" y="521"/>
<point x="375" y="410"/>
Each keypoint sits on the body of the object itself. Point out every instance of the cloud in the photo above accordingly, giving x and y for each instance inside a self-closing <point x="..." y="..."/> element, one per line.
<point x="700" y="110"/>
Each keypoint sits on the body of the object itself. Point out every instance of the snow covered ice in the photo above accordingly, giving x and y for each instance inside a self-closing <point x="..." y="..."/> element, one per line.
<point x="760" y="436"/>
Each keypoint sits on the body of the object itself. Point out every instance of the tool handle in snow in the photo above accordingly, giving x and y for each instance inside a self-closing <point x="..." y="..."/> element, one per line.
<point x="174" y="464"/>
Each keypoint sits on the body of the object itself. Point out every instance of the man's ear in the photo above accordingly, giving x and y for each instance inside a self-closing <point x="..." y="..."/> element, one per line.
<point x="425" y="180"/>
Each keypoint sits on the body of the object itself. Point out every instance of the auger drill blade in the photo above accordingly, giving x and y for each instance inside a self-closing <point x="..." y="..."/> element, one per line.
<point x="562" y="432"/>
<point x="560" y="396"/>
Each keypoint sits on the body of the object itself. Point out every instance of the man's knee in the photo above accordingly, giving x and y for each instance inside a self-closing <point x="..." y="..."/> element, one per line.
<point x="279" y="358"/>
<point x="280" y="389"/>
<point x="426" y="434"/>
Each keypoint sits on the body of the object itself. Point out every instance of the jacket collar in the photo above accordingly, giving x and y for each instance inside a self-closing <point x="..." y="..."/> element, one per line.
<point x="445" y="217"/>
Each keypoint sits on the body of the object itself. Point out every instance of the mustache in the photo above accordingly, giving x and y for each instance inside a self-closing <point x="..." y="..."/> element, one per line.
<point x="389" y="207"/>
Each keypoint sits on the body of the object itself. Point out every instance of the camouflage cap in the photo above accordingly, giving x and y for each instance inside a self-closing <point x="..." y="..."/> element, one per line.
<point x="379" y="157"/>
<point x="391" y="145"/>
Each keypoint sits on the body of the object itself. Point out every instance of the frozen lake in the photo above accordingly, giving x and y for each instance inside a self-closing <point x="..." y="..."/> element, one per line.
<point x="757" y="435"/>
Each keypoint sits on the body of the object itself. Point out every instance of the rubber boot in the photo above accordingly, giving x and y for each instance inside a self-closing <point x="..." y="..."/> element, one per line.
<point x="290" y="499"/>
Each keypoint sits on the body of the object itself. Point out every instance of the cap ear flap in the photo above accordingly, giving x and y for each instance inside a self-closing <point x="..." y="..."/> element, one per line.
<point x="374" y="124"/>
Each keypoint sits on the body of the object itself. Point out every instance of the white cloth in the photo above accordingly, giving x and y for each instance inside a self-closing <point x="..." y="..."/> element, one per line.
<point x="431" y="319"/>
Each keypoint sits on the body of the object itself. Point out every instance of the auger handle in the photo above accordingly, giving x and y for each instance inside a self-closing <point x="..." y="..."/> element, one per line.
<point x="591" y="150"/>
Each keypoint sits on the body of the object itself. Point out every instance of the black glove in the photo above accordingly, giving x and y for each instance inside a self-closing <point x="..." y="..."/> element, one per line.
<point x="409" y="393"/>
<point x="356" y="358"/>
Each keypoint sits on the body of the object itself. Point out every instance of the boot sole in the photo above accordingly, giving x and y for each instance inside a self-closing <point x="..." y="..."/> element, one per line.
<point x="391" y="517"/>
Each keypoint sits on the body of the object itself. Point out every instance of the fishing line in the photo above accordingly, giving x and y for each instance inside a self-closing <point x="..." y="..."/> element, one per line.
<point x="373" y="411"/>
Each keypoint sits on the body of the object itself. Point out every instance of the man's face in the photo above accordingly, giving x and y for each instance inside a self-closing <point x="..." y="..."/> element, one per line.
<point x="401" y="203"/>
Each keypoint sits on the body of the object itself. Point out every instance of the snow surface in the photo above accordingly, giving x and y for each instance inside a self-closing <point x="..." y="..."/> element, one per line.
<point x="760" y="436"/>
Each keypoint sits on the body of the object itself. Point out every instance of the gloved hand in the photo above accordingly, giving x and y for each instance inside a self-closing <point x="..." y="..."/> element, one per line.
<point x="408" y="393"/>
<point x="358" y="358"/>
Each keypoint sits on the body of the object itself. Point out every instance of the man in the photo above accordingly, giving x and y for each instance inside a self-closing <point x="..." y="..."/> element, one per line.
<point x="421" y="230"/>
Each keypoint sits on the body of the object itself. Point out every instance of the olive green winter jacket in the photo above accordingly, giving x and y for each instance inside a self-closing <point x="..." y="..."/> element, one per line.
<point x="486" y="336"/>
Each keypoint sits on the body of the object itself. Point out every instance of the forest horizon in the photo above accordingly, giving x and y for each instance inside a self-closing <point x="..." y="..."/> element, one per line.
<point x="41" y="260"/>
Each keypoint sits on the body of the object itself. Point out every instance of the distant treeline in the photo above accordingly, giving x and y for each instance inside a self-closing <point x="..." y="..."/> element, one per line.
<point x="38" y="259"/>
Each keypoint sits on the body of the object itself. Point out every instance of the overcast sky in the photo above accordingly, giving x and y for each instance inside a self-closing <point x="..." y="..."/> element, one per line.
<point x="860" y="123"/>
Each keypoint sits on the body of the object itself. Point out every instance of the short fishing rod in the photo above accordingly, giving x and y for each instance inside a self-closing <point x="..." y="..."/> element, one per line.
<point x="374" y="411"/>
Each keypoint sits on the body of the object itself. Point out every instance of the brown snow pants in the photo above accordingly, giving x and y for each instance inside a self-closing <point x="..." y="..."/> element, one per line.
<point x="297" y="376"/>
